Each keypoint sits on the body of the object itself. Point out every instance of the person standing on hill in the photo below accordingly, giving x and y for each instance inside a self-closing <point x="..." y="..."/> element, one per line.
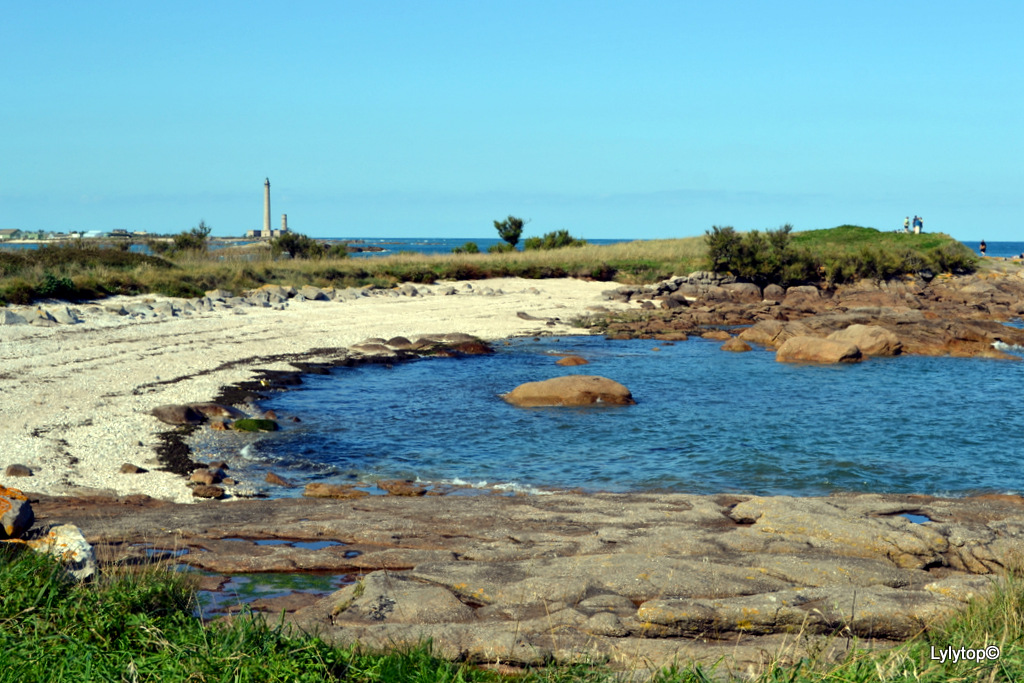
<point x="982" y="247"/>
<point x="906" y="224"/>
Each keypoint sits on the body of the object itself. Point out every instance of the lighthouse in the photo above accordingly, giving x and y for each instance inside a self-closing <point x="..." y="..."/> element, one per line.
<point x="266" y="234"/>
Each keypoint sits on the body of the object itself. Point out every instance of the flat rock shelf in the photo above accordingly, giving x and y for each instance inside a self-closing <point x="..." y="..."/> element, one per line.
<point x="633" y="580"/>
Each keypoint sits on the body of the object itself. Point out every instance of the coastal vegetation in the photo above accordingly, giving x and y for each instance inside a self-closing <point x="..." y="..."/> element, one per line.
<point x="79" y="271"/>
<point x="140" y="623"/>
<point x="833" y="256"/>
<point x="510" y="229"/>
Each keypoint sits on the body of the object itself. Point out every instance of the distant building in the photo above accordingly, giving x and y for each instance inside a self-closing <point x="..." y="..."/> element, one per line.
<point x="267" y="232"/>
<point x="9" y="234"/>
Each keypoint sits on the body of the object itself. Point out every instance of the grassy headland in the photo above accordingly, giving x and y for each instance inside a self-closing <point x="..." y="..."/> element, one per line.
<point x="831" y="256"/>
<point x="137" y="624"/>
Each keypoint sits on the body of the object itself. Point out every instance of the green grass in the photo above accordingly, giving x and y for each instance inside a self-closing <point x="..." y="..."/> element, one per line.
<point x="137" y="624"/>
<point x="80" y="272"/>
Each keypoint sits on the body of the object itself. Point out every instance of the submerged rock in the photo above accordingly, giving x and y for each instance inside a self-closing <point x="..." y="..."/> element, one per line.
<point x="255" y="425"/>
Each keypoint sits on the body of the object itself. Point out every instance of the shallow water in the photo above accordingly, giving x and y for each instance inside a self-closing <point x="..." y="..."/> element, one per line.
<point x="705" y="421"/>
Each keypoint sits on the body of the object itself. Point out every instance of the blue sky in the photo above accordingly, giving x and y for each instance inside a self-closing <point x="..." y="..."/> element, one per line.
<point x="611" y="120"/>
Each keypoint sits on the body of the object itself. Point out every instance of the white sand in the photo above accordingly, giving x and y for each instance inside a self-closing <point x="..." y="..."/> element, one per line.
<point x="75" y="399"/>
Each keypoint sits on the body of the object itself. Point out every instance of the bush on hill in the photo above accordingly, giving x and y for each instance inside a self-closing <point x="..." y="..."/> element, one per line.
<point x="838" y="255"/>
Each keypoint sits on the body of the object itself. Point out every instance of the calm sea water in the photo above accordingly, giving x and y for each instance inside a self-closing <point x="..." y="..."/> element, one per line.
<point x="705" y="421"/>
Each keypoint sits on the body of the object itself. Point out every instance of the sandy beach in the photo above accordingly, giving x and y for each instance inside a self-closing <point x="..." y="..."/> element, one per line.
<point x="75" y="400"/>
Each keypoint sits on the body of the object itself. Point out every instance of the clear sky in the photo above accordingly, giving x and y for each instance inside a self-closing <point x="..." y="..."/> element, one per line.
<point x="419" y="118"/>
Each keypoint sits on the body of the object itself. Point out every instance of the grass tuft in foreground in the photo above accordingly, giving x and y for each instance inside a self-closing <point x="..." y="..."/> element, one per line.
<point x="137" y="624"/>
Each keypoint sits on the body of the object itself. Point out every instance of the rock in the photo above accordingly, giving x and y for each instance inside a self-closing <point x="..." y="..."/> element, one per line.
<point x="114" y="309"/>
<point x="16" y="515"/>
<point x="473" y="347"/>
<point x="571" y="390"/>
<point x="774" y="293"/>
<point x="11" y="318"/>
<point x="773" y="333"/>
<point x="218" y="295"/>
<point x="408" y="289"/>
<point x="277" y="480"/>
<point x="872" y="340"/>
<point x="867" y="612"/>
<point x="220" y="425"/>
<point x="66" y="543"/>
<point x="255" y="425"/>
<point x="399" y="343"/>
<point x="129" y="468"/>
<point x="41" y="318"/>
<point x="313" y="293"/>
<point x="207" y="491"/>
<point x="627" y="579"/>
<point x="318" y="490"/>
<point x="401" y="487"/>
<point x="207" y="476"/>
<point x="743" y="292"/>
<point x="817" y="350"/>
<point x="210" y="410"/>
<point x="735" y="344"/>
<point x="276" y="293"/>
<point x="17" y="470"/>
<point x="178" y="415"/>
<point x="384" y="597"/>
<point x="569" y="361"/>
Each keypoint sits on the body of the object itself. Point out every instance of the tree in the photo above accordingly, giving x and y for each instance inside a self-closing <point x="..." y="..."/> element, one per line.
<point x="191" y="240"/>
<point x="510" y="229"/>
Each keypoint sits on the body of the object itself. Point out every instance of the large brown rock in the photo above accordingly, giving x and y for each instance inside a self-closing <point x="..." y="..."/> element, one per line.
<point x="817" y="350"/>
<point x="571" y="390"/>
<point x="872" y="340"/>
<point x="745" y="292"/>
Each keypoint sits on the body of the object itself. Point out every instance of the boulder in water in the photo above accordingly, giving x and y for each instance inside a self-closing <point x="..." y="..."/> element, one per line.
<point x="571" y="390"/>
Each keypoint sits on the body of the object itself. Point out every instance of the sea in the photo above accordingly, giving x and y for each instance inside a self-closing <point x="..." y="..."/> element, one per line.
<point x="705" y="421"/>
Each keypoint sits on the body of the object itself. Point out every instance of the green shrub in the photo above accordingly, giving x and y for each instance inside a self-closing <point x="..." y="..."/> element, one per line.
<point x="500" y="248"/>
<point x="467" y="248"/>
<point x="296" y="245"/>
<point x="53" y="287"/>
<point x="194" y="240"/>
<point x="11" y="263"/>
<point x="553" y="240"/>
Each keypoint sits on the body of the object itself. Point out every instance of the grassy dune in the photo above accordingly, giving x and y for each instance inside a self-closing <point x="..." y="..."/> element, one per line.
<point x="81" y="272"/>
